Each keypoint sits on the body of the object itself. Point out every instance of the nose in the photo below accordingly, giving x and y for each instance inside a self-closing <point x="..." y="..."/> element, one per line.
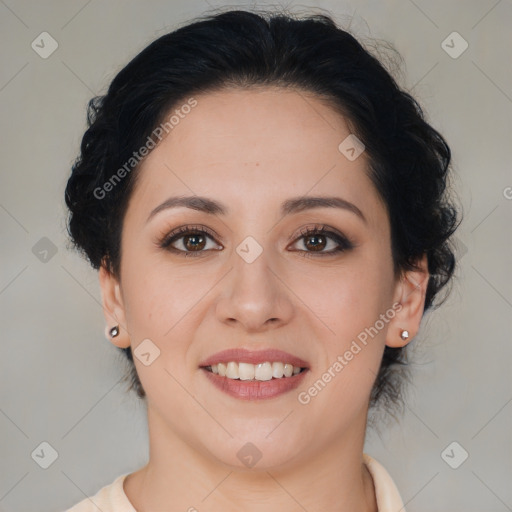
<point x="254" y="296"/>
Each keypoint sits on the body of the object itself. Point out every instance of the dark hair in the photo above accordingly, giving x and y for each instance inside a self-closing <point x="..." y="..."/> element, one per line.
<point x="408" y="159"/>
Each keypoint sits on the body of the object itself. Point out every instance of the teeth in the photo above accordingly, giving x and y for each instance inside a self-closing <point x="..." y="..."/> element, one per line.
<point x="245" y="371"/>
<point x="277" y="370"/>
<point x="261" y="371"/>
<point x="232" y="370"/>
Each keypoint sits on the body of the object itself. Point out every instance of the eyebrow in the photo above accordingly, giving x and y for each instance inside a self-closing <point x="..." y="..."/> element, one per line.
<point x="293" y="205"/>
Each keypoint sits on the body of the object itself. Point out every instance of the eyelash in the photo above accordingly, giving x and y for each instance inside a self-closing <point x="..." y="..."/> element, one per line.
<point x="344" y="244"/>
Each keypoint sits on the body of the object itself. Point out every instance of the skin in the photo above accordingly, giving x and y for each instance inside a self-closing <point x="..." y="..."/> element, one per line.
<point x="251" y="150"/>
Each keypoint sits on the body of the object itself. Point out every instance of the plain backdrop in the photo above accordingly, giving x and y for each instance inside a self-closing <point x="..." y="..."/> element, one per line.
<point x="60" y="379"/>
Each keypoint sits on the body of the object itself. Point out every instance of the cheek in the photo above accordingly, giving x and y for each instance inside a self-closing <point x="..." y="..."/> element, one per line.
<point x="345" y="304"/>
<point x="164" y="303"/>
<point x="159" y="308"/>
<point x="157" y="292"/>
<point x="347" y="296"/>
<point x="350" y="305"/>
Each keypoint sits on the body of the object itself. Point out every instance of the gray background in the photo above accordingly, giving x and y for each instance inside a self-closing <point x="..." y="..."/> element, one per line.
<point x="60" y="379"/>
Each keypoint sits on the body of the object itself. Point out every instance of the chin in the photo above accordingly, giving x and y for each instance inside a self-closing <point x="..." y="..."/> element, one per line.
<point x="257" y="451"/>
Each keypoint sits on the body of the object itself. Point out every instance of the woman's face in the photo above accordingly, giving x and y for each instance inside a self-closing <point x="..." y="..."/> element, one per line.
<point x="255" y="281"/>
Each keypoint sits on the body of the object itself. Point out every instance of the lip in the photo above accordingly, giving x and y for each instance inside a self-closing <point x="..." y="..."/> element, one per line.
<point x="255" y="389"/>
<point x="242" y="355"/>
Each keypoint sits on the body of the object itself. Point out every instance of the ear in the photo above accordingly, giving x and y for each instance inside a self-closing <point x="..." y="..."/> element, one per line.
<point x="410" y="293"/>
<point x="113" y="307"/>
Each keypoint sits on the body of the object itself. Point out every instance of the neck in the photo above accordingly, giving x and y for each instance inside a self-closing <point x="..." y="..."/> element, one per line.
<point x="177" y="474"/>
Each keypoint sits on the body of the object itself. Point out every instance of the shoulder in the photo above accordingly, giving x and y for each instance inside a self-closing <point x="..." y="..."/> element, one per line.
<point x="386" y="493"/>
<point x="110" y="498"/>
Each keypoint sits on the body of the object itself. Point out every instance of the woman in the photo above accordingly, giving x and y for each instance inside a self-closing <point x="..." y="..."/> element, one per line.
<point x="269" y="216"/>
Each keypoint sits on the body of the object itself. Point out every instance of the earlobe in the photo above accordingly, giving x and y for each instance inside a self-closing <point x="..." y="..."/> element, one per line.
<point x="113" y="309"/>
<point x="112" y="332"/>
<point x="410" y="293"/>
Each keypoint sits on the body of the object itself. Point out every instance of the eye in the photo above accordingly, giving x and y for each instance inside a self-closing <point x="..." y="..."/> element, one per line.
<point x="193" y="241"/>
<point x="188" y="241"/>
<point x="316" y="239"/>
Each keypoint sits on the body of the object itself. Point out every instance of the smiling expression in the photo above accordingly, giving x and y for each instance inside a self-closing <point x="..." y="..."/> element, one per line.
<point x="249" y="229"/>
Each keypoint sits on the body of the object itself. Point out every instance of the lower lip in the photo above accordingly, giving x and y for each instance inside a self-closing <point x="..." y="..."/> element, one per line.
<point x="255" y="389"/>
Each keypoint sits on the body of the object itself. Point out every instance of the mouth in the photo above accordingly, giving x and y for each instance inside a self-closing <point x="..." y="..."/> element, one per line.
<point x="250" y="375"/>
<point x="250" y="372"/>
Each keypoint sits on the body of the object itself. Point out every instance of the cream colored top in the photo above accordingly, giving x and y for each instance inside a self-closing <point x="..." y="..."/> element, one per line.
<point x="112" y="498"/>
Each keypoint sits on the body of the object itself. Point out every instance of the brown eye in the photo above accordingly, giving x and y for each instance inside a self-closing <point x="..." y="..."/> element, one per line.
<point x="317" y="239"/>
<point x="315" y="242"/>
<point x="189" y="241"/>
<point x="194" y="242"/>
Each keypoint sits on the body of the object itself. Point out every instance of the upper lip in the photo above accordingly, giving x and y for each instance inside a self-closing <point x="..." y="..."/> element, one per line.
<point x="242" y="355"/>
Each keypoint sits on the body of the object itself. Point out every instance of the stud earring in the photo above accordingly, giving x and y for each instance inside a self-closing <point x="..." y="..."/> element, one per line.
<point x="114" y="331"/>
<point x="404" y="334"/>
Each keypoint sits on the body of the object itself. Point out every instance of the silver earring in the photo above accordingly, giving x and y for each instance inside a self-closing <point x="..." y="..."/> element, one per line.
<point x="114" y="331"/>
<point x="404" y="334"/>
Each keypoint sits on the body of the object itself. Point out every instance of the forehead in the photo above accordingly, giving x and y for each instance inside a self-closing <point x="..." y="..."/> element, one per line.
<point x="260" y="123"/>
<point x="255" y="145"/>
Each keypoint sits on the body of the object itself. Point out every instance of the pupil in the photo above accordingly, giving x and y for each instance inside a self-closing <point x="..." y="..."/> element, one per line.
<point x="316" y="245"/>
<point x="195" y="245"/>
